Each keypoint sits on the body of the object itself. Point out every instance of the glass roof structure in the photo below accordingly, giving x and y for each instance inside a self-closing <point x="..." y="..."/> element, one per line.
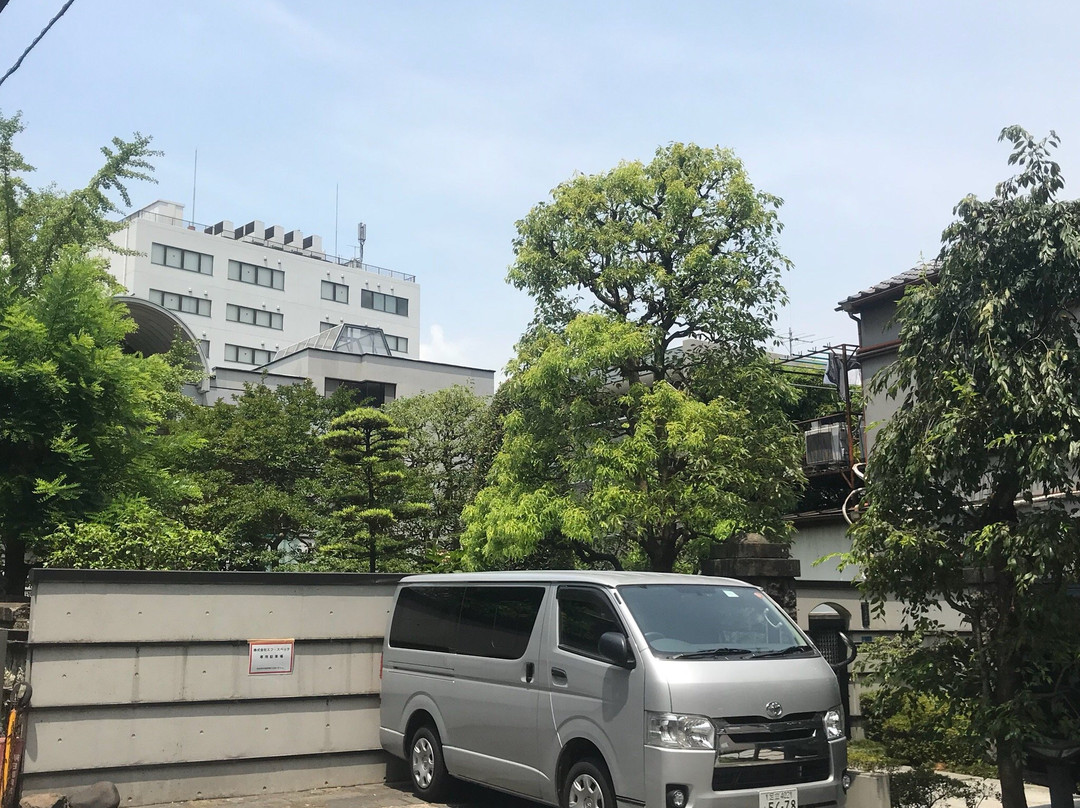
<point x="345" y="338"/>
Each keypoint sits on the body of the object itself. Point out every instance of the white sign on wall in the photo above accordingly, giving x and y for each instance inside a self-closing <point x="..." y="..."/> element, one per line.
<point x="270" y="656"/>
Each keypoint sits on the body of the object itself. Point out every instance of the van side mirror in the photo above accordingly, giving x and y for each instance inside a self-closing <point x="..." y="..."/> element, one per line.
<point x="615" y="649"/>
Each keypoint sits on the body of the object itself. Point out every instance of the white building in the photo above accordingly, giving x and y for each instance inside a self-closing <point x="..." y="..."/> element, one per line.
<point x="256" y="301"/>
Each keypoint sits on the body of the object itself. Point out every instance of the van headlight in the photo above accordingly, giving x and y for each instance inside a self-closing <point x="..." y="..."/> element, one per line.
<point x="679" y="731"/>
<point x="834" y="724"/>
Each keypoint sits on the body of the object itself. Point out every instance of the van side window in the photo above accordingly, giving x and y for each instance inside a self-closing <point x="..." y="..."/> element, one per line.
<point x="487" y="621"/>
<point x="584" y="614"/>
<point x="426" y="618"/>
<point x="498" y="621"/>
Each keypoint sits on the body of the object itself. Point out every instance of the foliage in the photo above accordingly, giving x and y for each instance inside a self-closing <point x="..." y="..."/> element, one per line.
<point x="370" y="488"/>
<point x="447" y="436"/>
<point x="988" y="384"/>
<point x="868" y="756"/>
<point x="131" y="535"/>
<point x="623" y="444"/>
<point x="917" y="729"/>
<point x="78" y="416"/>
<point x="260" y="465"/>
<point x="36" y="224"/>
<point x="925" y="788"/>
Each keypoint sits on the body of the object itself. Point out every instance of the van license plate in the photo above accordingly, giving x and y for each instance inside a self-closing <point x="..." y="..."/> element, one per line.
<point x="788" y="798"/>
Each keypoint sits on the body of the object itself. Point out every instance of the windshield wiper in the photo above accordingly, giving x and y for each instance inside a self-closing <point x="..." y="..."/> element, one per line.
<point x="712" y="652"/>
<point x="791" y="649"/>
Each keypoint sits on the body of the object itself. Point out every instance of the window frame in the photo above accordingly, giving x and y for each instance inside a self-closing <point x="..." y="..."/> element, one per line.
<point x="236" y="349"/>
<point x="400" y="304"/>
<point x="203" y="261"/>
<point x="159" y="296"/>
<point x="238" y="269"/>
<point x="253" y="313"/>
<point x="605" y="597"/>
<point x="334" y="290"/>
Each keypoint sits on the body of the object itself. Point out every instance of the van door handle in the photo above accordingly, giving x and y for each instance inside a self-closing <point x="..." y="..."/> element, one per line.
<point x="558" y="676"/>
<point x="530" y="669"/>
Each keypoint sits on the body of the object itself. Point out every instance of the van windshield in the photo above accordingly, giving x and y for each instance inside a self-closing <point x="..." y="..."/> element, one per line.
<point x="710" y="621"/>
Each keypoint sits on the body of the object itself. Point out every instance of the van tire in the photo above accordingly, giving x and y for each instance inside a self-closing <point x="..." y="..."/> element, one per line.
<point x="587" y="784"/>
<point x="427" y="771"/>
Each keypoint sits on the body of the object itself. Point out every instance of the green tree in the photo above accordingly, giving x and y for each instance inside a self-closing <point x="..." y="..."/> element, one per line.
<point x="79" y="418"/>
<point x="972" y="486"/>
<point x="446" y="447"/>
<point x="624" y="444"/>
<point x="370" y="488"/>
<point x="260" y="464"/>
<point x="36" y="224"/>
<point x="131" y="534"/>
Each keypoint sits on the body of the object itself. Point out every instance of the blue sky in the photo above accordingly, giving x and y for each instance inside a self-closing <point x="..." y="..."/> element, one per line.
<point x="443" y="123"/>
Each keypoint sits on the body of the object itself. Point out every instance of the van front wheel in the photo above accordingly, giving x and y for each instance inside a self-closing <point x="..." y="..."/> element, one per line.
<point x="587" y="785"/>
<point x="426" y="767"/>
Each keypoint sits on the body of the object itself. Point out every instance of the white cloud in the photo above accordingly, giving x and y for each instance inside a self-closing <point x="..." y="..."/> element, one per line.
<point x="487" y="353"/>
<point x="437" y="348"/>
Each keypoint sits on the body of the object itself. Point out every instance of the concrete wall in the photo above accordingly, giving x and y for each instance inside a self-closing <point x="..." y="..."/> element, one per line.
<point x="142" y="678"/>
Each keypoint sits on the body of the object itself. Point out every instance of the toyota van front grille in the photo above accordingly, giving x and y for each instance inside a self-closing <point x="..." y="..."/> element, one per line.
<point x="757" y="752"/>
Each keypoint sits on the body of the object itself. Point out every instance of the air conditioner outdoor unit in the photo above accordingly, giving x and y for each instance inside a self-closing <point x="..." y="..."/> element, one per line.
<point x="826" y="445"/>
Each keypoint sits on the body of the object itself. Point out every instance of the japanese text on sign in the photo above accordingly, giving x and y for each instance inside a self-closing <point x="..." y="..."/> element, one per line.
<point x="270" y="656"/>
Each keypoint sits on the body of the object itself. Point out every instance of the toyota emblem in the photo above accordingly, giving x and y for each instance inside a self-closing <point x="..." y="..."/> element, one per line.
<point x="774" y="709"/>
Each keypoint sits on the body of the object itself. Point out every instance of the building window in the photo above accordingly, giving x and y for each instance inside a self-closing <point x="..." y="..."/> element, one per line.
<point x="204" y="349"/>
<point x="338" y="292"/>
<point x="399" y="344"/>
<point x="181" y="259"/>
<point x="260" y="276"/>
<point x="183" y="303"/>
<point x="246" y="356"/>
<point x="325" y="326"/>
<point x="259" y="317"/>
<point x="367" y="394"/>
<point x="387" y="303"/>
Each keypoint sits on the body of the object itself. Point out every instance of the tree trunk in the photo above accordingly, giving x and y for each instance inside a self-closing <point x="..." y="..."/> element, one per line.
<point x="15" y="569"/>
<point x="1011" y="774"/>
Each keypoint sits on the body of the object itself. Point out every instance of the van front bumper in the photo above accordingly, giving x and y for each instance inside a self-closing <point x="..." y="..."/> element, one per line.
<point x="694" y="769"/>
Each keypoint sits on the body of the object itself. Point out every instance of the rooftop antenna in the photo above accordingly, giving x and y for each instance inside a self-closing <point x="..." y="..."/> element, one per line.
<point x="336" y="251"/>
<point x="194" y="183"/>
<point x="361" y="236"/>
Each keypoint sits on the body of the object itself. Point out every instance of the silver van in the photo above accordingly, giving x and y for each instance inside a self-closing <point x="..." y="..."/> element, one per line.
<point x="605" y="689"/>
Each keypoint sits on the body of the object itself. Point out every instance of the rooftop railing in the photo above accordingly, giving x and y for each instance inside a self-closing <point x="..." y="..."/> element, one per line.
<point x="318" y="255"/>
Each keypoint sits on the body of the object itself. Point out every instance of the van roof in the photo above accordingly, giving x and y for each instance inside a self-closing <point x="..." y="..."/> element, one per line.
<point x="602" y="577"/>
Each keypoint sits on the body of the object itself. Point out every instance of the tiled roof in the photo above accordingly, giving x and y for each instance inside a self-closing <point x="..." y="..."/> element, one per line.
<point x="916" y="274"/>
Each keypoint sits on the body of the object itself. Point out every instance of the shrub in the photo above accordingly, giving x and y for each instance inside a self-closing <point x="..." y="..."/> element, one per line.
<point x="924" y="788"/>
<point x="920" y="730"/>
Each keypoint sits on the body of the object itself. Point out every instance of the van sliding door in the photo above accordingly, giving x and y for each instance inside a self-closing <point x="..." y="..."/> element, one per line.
<point x="494" y="697"/>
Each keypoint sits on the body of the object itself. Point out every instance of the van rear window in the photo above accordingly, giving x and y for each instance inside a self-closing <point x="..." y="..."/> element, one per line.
<point x="485" y="621"/>
<point x="426" y="618"/>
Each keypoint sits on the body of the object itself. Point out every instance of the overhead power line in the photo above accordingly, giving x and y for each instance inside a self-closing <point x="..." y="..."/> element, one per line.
<point x="37" y="39"/>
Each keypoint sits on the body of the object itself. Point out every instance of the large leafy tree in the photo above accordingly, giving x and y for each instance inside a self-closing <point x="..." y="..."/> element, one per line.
<point x="447" y="437"/>
<point x="370" y="488"/>
<point x="623" y="443"/>
<point x="78" y="416"/>
<point x="973" y="484"/>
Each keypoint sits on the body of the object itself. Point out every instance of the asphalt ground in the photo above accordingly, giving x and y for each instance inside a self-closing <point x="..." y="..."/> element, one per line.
<point x="464" y="795"/>
<point x="379" y="795"/>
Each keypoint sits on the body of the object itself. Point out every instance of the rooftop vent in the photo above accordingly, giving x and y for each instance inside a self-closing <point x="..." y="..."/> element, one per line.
<point x="222" y="228"/>
<point x="253" y="228"/>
